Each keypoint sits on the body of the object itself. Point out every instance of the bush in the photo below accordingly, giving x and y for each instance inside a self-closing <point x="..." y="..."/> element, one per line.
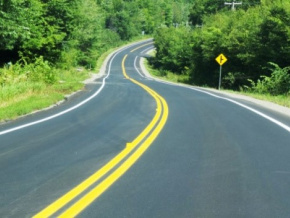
<point x="276" y="84"/>
<point x="39" y="71"/>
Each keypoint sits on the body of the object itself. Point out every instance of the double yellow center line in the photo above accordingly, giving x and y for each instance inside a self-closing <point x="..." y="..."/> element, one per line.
<point x="122" y="162"/>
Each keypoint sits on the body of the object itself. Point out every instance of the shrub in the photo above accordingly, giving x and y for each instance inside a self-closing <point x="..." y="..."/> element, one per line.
<point x="276" y="84"/>
<point x="39" y="71"/>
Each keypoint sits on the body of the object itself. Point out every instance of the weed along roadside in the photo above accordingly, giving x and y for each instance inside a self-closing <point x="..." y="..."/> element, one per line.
<point x="27" y="91"/>
<point x="23" y="96"/>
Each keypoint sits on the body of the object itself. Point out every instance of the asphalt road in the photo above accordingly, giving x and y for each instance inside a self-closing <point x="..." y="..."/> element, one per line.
<point x="186" y="153"/>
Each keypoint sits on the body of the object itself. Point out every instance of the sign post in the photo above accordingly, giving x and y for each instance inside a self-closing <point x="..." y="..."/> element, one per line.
<point x="221" y="59"/>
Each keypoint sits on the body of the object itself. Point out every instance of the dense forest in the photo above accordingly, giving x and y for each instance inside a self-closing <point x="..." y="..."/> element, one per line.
<point x="39" y="36"/>
<point x="76" y="32"/>
<point x="48" y="47"/>
<point x="254" y="36"/>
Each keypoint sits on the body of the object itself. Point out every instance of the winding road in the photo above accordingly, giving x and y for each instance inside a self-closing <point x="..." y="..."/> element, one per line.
<point x="132" y="146"/>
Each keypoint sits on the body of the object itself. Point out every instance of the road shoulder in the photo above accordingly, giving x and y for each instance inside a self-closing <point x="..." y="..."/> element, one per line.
<point x="268" y="105"/>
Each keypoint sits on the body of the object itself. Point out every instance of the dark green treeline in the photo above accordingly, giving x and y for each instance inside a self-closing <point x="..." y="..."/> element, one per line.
<point x="189" y="34"/>
<point x="255" y="37"/>
<point x="76" y="32"/>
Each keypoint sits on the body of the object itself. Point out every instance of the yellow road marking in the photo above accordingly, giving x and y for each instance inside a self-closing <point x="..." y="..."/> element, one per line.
<point x="98" y="190"/>
<point x="141" y="46"/>
<point x="86" y="200"/>
<point x="123" y="67"/>
<point x="55" y="206"/>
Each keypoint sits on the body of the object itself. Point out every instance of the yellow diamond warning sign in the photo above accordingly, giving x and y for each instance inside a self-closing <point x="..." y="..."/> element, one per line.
<point x="221" y="59"/>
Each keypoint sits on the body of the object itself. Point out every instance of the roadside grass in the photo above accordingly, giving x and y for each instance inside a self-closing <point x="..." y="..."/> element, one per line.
<point x="283" y="100"/>
<point x="25" y="97"/>
<point x="166" y="75"/>
<point x="28" y="105"/>
<point x="21" y="97"/>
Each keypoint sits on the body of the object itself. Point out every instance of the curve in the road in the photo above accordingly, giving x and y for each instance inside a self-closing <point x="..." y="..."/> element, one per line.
<point x="123" y="161"/>
<point x="271" y="119"/>
<point x="79" y="104"/>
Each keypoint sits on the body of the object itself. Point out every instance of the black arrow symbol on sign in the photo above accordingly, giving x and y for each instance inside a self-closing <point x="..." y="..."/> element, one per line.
<point x="221" y="59"/>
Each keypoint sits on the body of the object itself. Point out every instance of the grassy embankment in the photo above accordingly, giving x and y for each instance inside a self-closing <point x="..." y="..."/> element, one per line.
<point x="21" y="96"/>
<point x="282" y="100"/>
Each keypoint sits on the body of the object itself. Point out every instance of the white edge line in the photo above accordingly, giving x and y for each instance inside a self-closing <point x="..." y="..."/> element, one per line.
<point x="284" y="126"/>
<point x="136" y="67"/>
<point x="147" y="49"/>
<point x="79" y="104"/>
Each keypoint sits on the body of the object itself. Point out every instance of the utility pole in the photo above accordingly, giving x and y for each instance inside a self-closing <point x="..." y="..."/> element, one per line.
<point x="233" y="4"/>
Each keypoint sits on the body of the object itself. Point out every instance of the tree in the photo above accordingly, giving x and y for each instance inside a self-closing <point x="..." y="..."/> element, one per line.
<point x="250" y="37"/>
<point x="274" y="36"/>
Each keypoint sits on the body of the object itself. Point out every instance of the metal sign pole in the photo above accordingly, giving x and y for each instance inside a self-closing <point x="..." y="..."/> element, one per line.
<point x="220" y="79"/>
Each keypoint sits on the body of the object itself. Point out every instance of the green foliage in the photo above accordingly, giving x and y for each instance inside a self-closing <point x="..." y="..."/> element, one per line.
<point x="10" y="91"/>
<point x="39" y="71"/>
<point x="276" y="84"/>
<point x="203" y="8"/>
<point x="87" y="28"/>
<point x="250" y="37"/>
<point x="21" y="95"/>
<point x="274" y="37"/>
<point x="42" y="42"/>
<point x="173" y="53"/>
<point x="24" y="29"/>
